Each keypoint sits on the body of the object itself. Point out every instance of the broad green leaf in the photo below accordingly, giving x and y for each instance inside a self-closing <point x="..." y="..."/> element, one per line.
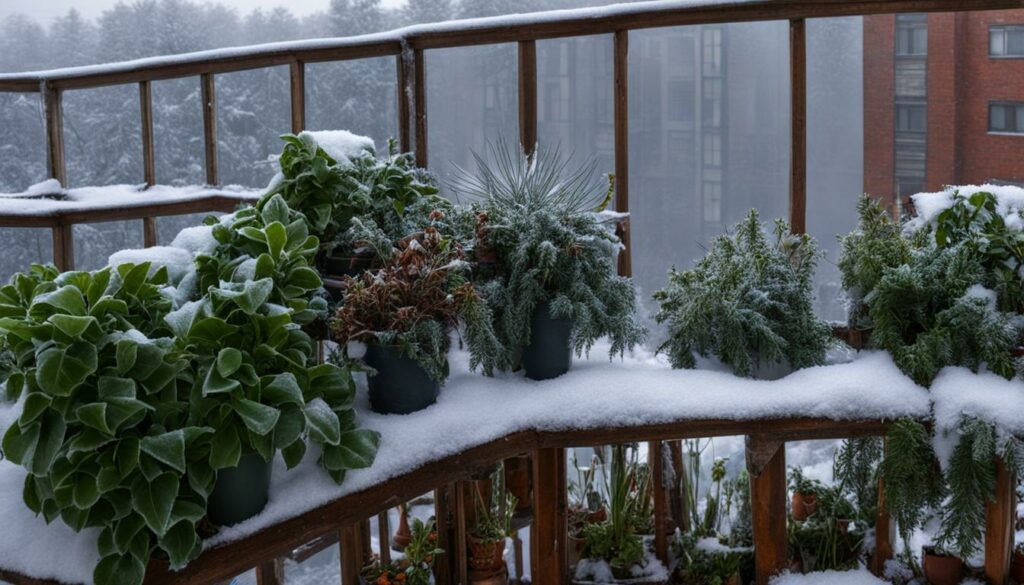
<point x="133" y="276"/>
<point x="127" y="351"/>
<point x="358" y="448"/>
<point x="277" y="237"/>
<point x="282" y="389"/>
<point x="20" y="443"/>
<point x="305" y="278"/>
<point x="66" y="299"/>
<point x="119" y="570"/>
<point x="275" y="209"/>
<point x="259" y="418"/>
<point x="217" y="384"/>
<point x="35" y="404"/>
<point x="264" y="267"/>
<point x="289" y="426"/>
<point x="168" y="448"/>
<point x="51" y="436"/>
<point x="125" y="531"/>
<point x="324" y="426"/>
<point x="113" y="387"/>
<point x="186" y="510"/>
<point x="334" y="384"/>
<point x="86" y="492"/>
<point x="228" y="361"/>
<point x="154" y="500"/>
<point x="226" y="447"/>
<point x="60" y="371"/>
<point x="181" y="544"/>
<point x="70" y="325"/>
<point x="294" y="453"/>
<point x="94" y="415"/>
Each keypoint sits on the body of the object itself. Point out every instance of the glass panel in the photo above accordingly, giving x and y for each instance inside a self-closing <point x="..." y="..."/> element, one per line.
<point x="24" y="246"/>
<point x="95" y="242"/>
<point x="22" y="142"/>
<point x="178" y="132"/>
<point x="358" y="96"/>
<point x="253" y="110"/>
<point x="103" y="136"/>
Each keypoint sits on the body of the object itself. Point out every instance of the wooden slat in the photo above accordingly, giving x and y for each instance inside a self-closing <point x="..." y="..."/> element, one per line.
<point x="209" y="96"/>
<point x="885" y="531"/>
<point x="148" y="158"/>
<point x="798" y="126"/>
<point x="461" y="510"/>
<point x="419" y="96"/>
<point x="297" y="79"/>
<point x="384" y="536"/>
<point x="1000" y="515"/>
<point x="442" y="516"/>
<point x="404" y="89"/>
<point x="656" y="462"/>
<point x="528" y="96"/>
<point x="621" y="114"/>
<point x="63" y="248"/>
<point x="548" y="558"/>
<point x="766" y="462"/>
<point x="270" y="573"/>
<point x="53" y="105"/>
<point x="351" y="555"/>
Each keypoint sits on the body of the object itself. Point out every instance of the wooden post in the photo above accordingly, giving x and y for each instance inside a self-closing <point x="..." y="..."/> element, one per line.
<point x="528" y="96"/>
<point x="298" y="95"/>
<point x="384" y="536"/>
<point x="1000" y="515"/>
<point x="656" y="462"/>
<point x="798" y="126"/>
<point x="63" y="247"/>
<point x="404" y="89"/>
<point x="148" y="160"/>
<point x="621" y="114"/>
<point x="419" y="96"/>
<point x="270" y="573"/>
<point x="442" y="515"/>
<point x="209" y="94"/>
<point x="53" y="103"/>
<point x="548" y="558"/>
<point x="460" y="556"/>
<point x="766" y="463"/>
<point x="351" y="556"/>
<point x="517" y="551"/>
<point x="677" y="502"/>
<point x="885" y="531"/>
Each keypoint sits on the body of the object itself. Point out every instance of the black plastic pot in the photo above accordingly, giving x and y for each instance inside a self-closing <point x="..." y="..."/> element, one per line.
<point x="240" y="492"/>
<point x="549" y="353"/>
<point x="346" y="265"/>
<point x="401" y="385"/>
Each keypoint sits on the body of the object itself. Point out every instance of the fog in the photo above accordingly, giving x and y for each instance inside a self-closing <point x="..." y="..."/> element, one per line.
<point x="708" y="116"/>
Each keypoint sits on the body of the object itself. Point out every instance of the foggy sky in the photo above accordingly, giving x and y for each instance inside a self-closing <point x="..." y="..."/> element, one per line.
<point x="44" y="10"/>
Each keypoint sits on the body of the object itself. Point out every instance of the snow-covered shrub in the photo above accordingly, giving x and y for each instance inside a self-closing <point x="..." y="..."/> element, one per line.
<point x="927" y="298"/>
<point x="748" y="303"/>
<point x="540" y="239"/>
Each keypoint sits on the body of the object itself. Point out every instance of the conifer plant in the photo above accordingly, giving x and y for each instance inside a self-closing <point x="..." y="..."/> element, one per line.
<point x="747" y="303"/>
<point x="547" y="259"/>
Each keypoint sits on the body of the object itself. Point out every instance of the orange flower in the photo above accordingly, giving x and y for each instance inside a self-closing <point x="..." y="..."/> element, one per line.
<point x="383" y="579"/>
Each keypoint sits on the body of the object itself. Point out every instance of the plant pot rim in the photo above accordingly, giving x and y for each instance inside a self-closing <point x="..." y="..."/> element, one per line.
<point x="930" y="550"/>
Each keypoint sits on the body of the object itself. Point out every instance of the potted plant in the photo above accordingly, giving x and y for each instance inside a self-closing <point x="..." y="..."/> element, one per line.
<point x="940" y="567"/>
<point x="549" y="275"/>
<point x="415" y="568"/>
<point x="748" y="303"/>
<point x="492" y="524"/>
<point x="698" y="564"/>
<point x="805" y="494"/>
<point x="586" y="505"/>
<point x="403" y="315"/>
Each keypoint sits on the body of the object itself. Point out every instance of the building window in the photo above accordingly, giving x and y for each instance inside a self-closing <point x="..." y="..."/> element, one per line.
<point x="681" y="100"/>
<point x="712" y="52"/>
<point x="911" y="35"/>
<point x="712" y="200"/>
<point x="712" y="150"/>
<point x="1006" y="41"/>
<point x="911" y="118"/>
<point x="1006" y="117"/>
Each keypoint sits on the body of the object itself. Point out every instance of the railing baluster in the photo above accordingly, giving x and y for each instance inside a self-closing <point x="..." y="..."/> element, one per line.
<point x="63" y="247"/>
<point x="548" y="541"/>
<point x="885" y="531"/>
<point x="148" y="161"/>
<point x="348" y="542"/>
<point x="464" y="493"/>
<point x="209" y="96"/>
<point x="766" y="463"/>
<point x="270" y="573"/>
<point x="298" y="95"/>
<point x="528" y="96"/>
<point x="1000" y="515"/>
<point x="621" y="109"/>
<point x="798" y="118"/>
<point x="442" y="518"/>
<point x="419" y="96"/>
<point x="53" y="103"/>
<point x="656" y="462"/>
<point x="384" y="536"/>
<point x="404" y="89"/>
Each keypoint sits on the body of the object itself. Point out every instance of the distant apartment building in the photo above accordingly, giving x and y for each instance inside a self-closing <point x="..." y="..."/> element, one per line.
<point x="943" y="101"/>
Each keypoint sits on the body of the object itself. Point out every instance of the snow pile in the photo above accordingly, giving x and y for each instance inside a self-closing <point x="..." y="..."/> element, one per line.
<point x="1009" y="204"/>
<point x="858" y="577"/>
<point x="599" y="571"/>
<point x="31" y="203"/>
<point x="341" y="145"/>
<point x="197" y="239"/>
<point x="958" y="392"/>
<point x="178" y="261"/>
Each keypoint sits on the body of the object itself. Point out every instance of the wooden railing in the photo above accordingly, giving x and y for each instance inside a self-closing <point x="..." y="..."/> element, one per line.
<point x="345" y="520"/>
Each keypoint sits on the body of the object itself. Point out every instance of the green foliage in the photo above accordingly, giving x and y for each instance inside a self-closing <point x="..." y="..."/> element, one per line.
<point x="857" y="467"/>
<point x="493" y="517"/>
<point x="748" y="303"/>
<point x="700" y="566"/>
<point x="616" y="540"/>
<point x="540" y="240"/>
<point x="971" y="477"/>
<point x="923" y="299"/>
<point x="415" y="566"/>
<point x="913" y="482"/>
<point x="353" y="206"/>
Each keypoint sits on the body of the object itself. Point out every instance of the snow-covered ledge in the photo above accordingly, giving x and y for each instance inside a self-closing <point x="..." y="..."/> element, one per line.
<point x="48" y="199"/>
<point x="473" y="410"/>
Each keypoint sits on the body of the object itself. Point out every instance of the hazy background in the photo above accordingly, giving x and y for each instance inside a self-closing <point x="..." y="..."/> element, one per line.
<point x="709" y="112"/>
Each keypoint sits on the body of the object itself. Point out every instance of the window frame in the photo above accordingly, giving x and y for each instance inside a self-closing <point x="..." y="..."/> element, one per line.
<point x="1017" y="110"/>
<point x="1004" y="30"/>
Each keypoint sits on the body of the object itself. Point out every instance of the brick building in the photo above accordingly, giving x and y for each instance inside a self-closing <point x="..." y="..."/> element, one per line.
<point x="943" y="101"/>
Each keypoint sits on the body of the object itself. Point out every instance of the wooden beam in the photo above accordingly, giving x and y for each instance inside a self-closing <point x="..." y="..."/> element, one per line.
<point x="621" y="114"/>
<point x="53" y="105"/>
<point x="798" y="126"/>
<point x="528" y="96"/>
<point x="351" y="555"/>
<point x="384" y="536"/>
<point x="63" y="247"/>
<point x="442" y="517"/>
<point x="461" y="510"/>
<point x="297" y="78"/>
<point x="885" y="531"/>
<point x="548" y="553"/>
<point x="1000" y="515"/>
<point x="148" y="160"/>
<point x="419" y="96"/>
<point x="209" y="96"/>
<point x="404" y="89"/>
<point x="270" y="573"/>
<point x="768" y="505"/>
<point x="656" y="462"/>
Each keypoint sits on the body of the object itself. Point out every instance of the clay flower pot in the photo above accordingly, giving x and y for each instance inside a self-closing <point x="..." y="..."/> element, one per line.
<point x="804" y="505"/>
<point x="597" y="516"/>
<point x="1017" y="567"/>
<point x="403" y="535"/>
<point x="942" y="569"/>
<point x="486" y="556"/>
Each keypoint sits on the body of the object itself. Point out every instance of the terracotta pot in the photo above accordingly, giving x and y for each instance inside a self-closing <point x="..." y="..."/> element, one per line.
<point x="575" y="550"/>
<point x="597" y="516"/>
<point x="942" y="569"/>
<point x="734" y="580"/>
<point x="517" y="480"/>
<point x="486" y="556"/>
<point x="1017" y="567"/>
<point x="402" y="536"/>
<point x="489" y="578"/>
<point x="804" y="505"/>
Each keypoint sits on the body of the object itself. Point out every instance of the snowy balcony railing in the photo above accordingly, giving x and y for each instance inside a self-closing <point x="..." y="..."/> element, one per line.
<point x="306" y="510"/>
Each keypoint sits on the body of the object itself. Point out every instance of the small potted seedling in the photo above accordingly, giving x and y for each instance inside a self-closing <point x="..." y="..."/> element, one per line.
<point x="805" y="495"/>
<point x="942" y="567"/>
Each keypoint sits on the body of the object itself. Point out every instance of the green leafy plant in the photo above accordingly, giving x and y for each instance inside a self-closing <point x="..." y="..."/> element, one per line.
<point x="699" y="566"/>
<point x="799" y="483"/>
<point x="926" y="303"/>
<point x="539" y="239"/>
<point x="415" y="302"/>
<point x="748" y="303"/>
<point x="415" y="567"/>
<point x="913" y="481"/>
<point x="493" y="517"/>
<point x="616" y="540"/>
